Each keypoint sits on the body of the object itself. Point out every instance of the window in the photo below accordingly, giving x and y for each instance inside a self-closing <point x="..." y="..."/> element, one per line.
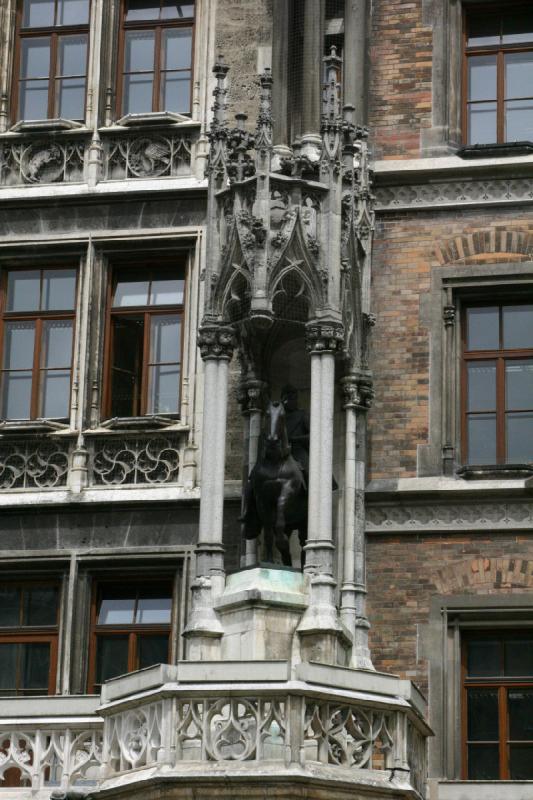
<point x="145" y="342"/>
<point x="28" y="638"/>
<point x="130" y="629"/>
<point x="53" y="39"/>
<point x="498" y="383"/>
<point x="498" y="706"/>
<point x="37" y="343"/>
<point x="156" y="56"/>
<point x="498" y="78"/>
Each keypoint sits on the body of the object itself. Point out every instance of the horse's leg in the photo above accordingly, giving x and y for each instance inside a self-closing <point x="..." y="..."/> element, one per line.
<point x="268" y="533"/>
<point x="282" y="542"/>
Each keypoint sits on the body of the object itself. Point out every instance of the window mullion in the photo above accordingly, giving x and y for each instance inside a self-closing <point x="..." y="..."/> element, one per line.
<point x="145" y="368"/>
<point x="35" y="382"/>
<point x="132" y="654"/>
<point x="500" y="105"/>
<point x="504" y="733"/>
<point x="52" y="77"/>
<point x="157" y="70"/>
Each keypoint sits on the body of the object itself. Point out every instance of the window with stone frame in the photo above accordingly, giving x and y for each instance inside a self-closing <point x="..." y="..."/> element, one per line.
<point x="497" y="703"/>
<point x="51" y="59"/>
<point x="155" y="54"/>
<point x="497" y="382"/>
<point x="498" y="74"/>
<point x="144" y="340"/>
<point x="130" y="628"/>
<point x="36" y="342"/>
<point x="28" y="638"/>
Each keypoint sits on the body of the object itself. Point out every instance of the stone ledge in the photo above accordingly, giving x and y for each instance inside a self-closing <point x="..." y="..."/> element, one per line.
<point x="253" y="782"/>
<point x="484" y="790"/>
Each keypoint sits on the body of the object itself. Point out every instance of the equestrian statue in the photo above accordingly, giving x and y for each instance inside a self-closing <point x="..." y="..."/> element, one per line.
<point x="275" y="496"/>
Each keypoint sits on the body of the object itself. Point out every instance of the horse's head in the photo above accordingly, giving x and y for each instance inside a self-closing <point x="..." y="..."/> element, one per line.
<point x="276" y="441"/>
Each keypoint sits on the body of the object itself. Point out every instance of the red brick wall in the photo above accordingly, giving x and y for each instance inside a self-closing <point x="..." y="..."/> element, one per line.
<point x="404" y="571"/>
<point x="400" y="88"/>
<point x="406" y="247"/>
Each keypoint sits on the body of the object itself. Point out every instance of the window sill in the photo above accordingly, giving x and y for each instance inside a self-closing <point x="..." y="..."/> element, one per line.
<point x="33" y="426"/>
<point x="495" y="150"/>
<point x="495" y="472"/>
<point x="152" y="119"/>
<point x="46" y="125"/>
<point x="141" y="424"/>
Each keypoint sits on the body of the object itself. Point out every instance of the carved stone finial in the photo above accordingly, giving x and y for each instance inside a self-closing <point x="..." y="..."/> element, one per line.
<point x="263" y="134"/>
<point x="333" y="66"/>
<point x="322" y="337"/>
<point x="216" y="342"/>
<point x="220" y="70"/>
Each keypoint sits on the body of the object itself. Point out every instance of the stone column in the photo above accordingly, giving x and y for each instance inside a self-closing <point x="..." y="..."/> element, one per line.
<point x="312" y="78"/>
<point x="204" y="630"/>
<point x="280" y="64"/>
<point x="357" y="396"/>
<point x="319" y="629"/>
<point x="251" y="394"/>
<point x="356" y="16"/>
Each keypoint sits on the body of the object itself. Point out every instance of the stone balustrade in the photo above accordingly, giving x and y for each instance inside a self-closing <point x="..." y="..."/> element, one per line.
<point x="49" y="743"/>
<point x="44" y="462"/>
<point x="194" y="719"/>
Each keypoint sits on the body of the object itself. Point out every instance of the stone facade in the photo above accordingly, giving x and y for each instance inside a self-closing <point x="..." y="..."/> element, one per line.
<point x="331" y="234"/>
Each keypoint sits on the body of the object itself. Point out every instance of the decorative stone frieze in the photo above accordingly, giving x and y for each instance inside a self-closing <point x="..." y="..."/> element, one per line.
<point x="147" y="156"/>
<point x="452" y="516"/>
<point x="324" y="337"/>
<point x="453" y="193"/>
<point x="216" y="342"/>
<point x="37" y="161"/>
<point x="33" y="464"/>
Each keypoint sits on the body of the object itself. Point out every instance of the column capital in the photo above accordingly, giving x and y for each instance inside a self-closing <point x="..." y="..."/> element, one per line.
<point x="216" y="342"/>
<point x="250" y="395"/>
<point x="324" y="336"/>
<point x="358" y="391"/>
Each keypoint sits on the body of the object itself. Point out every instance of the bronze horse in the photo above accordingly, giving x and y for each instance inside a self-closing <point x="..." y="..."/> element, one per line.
<point x="276" y="492"/>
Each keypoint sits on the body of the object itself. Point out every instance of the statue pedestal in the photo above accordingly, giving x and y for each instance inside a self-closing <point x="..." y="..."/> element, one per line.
<point x="259" y="610"/>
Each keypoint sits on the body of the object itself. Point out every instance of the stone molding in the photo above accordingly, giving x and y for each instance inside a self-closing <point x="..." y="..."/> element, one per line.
<point x="435" y="516"/>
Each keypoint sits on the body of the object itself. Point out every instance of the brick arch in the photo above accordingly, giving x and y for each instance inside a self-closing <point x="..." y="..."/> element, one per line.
<point x="485" y="574"/>
<point x="489" y="244"/>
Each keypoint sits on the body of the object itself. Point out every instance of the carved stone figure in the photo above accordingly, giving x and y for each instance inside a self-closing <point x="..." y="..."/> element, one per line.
<point x="276" y="491"/>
